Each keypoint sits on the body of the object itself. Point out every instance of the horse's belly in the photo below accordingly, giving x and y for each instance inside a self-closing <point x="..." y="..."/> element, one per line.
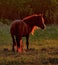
<point x="24" y="30"/>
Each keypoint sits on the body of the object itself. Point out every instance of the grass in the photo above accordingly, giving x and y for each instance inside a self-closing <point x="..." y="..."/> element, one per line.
<point x="43" y="48"/>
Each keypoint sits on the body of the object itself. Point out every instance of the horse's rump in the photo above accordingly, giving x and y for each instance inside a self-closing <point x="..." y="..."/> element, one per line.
<point x="18" y="27"/>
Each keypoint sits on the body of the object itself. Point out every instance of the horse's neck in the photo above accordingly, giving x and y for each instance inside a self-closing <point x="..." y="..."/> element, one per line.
<point x="31" y="21"/>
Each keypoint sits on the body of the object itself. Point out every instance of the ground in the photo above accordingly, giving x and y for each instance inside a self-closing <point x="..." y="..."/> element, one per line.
<point x="43" y="48"/>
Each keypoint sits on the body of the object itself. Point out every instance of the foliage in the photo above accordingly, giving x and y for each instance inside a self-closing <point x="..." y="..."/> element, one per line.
<point x="17" y="9"/>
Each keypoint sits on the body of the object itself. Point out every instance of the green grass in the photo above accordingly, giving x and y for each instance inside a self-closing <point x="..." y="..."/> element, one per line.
<point x="43" y="48"/>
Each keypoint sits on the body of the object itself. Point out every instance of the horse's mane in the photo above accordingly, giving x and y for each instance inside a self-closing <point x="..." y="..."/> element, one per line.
<point x="32" y="16"/>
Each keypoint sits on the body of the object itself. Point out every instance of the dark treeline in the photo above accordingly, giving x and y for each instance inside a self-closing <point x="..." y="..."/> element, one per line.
<point x="17" y="9"/>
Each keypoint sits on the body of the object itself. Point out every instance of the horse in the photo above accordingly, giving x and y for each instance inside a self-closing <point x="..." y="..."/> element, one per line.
<point x="23" y="28"/>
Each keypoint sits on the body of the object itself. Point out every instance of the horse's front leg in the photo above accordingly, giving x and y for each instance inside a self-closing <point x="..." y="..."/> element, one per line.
<point x="27" y="41"/>
<point x="20" y="48"/>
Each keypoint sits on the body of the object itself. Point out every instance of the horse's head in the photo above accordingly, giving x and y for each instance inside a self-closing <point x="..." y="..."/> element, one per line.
<point x="40" y="21"/>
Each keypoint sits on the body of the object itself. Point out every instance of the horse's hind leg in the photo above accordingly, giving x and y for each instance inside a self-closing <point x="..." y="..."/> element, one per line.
<point x="14" y="43"/>
<point x="19" y="44"/>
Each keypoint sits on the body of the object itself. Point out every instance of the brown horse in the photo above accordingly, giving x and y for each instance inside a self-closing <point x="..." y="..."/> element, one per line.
<point x="20" y="28"/>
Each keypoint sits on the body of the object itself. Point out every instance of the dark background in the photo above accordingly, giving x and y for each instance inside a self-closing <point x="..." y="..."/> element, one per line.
<point x="18" y="9"/>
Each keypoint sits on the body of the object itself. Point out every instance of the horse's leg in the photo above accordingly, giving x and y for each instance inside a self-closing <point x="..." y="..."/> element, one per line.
<point x="19" y="44"/>
<point x="20" y="49"/>
<point x="27" y="41"/>
<point x="13" y="43"/>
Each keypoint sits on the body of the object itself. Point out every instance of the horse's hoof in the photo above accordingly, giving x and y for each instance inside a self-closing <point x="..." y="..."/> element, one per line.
<point x="20" y="50"/>
<point x="26" y="50"/>
<point x="13" y="50"/>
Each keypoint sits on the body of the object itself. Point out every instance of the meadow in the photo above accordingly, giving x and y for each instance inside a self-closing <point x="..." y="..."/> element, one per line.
<point x="43" y="47"/>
